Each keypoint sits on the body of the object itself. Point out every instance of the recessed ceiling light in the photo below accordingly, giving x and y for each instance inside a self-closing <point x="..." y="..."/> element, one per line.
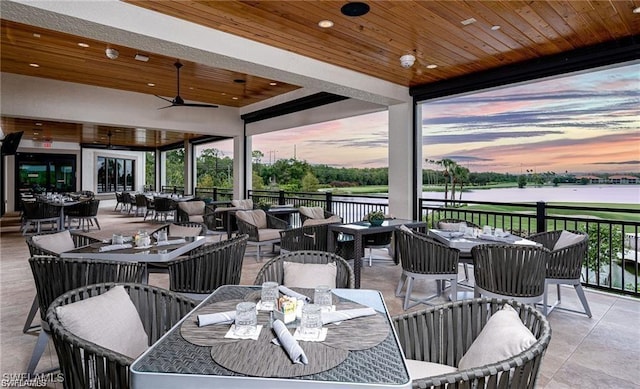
<point x="273" y="83"/>
<point x="355" y="8"/>
<point x="636" y="10"/>
<point x="34" y="65"/>
<point x="223" y="93"/>
<point x="38" y="124"/>
<point x="151" y="84"/>
<point x="141" y="57"/>
<point x="35" y="133"/>
<point x="432" y="66"/>
<point x="468" y="21"/>
<point x="36" y="35"/>
<point x="82" y="44"/>
<point x="234" y="98"/>
<point x="325" y="23"/>
<point x="495" y="28"/>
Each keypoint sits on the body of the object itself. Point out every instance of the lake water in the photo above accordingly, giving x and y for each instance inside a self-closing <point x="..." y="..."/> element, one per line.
<point x="620" y="194"/>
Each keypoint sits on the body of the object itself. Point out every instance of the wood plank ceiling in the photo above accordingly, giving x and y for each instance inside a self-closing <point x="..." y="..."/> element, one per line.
<point x="449" y="39"/>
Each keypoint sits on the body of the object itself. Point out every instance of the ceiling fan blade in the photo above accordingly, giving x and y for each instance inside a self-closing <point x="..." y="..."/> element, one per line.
<point x="169" y="106"/>
<point x="199" y="105"/>
<point x="163" y="98"/>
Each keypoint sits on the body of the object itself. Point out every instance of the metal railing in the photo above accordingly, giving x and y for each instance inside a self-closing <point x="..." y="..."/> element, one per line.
<point x="214" y="194"/>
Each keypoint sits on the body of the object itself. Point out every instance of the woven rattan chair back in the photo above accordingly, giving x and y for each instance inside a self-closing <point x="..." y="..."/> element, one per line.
<point x="209" y="268"/>
<point x="304" y="238"/>
<point x="443" y="334"/>
<point x="273" y="270"/>
<point x="564" y="266"/>
<point x="87" y="365"/>
<point x="510" y="271"/>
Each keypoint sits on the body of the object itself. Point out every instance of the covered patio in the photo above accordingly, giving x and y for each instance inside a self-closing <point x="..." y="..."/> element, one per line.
<point x="584" y="352"/>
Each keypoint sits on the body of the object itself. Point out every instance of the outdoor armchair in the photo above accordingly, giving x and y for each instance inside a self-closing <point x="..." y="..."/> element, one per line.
<point x="444" y="333"/>
<point x="193" y="211"/>
<point x="274" y="269"/>
<point x="510" y="271"/>
<point x="565" y="263"/>
<point x="85" y="364"/>
<point x="422" y="258"/>
<point x="311" y="236"/>
<point x="54" y="276"/>
<point x="307" y="213"/>
<point x="165" y="208"/>
<point x="39" y="212"/>
<point x="262" y="229"/>
<point x="46" y="247"/>
<point x="214" y="265"/>
<point x="453" y="225"/>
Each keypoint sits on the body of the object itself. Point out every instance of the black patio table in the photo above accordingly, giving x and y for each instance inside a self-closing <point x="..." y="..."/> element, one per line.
<point x="360" y="229"/>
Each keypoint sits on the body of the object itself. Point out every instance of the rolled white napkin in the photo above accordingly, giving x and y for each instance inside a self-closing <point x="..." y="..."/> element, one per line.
<point x="292" y="293"/>
<point x="290" y="345"/>
<point x="227" y="317"/>
<point x="174" y="241"/>
<point x="346" y="314"/>
<point x="112" y="247"/>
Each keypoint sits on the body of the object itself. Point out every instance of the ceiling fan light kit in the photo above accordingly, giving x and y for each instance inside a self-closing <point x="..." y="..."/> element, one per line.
<point x="111" y="53"/>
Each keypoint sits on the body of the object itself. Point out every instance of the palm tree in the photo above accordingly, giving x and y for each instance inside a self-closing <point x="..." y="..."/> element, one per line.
<point x="462" y="175"/>
<point x="449" y="166"/>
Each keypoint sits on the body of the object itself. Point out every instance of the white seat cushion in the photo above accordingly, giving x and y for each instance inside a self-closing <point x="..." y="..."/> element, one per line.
<point x="567" y="239"/>
<point x="265" y="234"/>
<point x="312" y="212"/>
<point x="192" y="207"/>
<point x="421" y="369"/>
<point x="502" y="337"/>
<point x="109" y="320"/>
<point x="256" y="217"/>
<point x="57" y="243"/>
<point x="196" y="218"/>
<point x="177" y="230"/>
<point x="309" y="275"/>
<point x="316" y="222"/>
<point x="243" y="204"/>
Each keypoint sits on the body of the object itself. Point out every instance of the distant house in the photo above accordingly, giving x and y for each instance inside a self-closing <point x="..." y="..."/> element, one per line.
<point x="591" y="179"/>
<point x="623" y="180"/>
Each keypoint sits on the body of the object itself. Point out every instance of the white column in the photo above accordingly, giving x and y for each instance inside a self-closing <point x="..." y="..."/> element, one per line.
<point x="161" y="170"/>
<point x="241" y="158"/>
<point x="189" y="184"/>
<point x="401" y="160"/>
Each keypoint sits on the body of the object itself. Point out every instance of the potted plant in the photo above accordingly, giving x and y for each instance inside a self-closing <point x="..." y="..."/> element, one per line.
<point x="375" y="218"/>
<point x="264" y="205"/>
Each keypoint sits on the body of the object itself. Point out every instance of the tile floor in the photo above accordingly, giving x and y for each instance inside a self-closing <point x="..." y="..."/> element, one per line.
<point x="601" y="352"/>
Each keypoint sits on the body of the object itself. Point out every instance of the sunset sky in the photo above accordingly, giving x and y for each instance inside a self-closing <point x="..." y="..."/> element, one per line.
<point x="581" y="124"/>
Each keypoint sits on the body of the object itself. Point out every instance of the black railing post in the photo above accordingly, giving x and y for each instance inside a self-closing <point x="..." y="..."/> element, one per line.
<point x="214" y="194"/>
<point x="328" y="201"/>
<point x="541" y="216"/>
<point x="281" y="198"/>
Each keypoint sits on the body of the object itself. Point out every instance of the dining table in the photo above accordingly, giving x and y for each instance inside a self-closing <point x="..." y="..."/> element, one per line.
<point x="153" y="253"/>
<point x="362" y="352"/>
<point x="358" y="231"/>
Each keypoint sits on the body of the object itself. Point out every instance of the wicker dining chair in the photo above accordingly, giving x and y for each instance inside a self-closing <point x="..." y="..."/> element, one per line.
<point x="273" y="270"/>
<point x="510" y="271"/>
<point x="79" y="240"/>
<point x="119" y="201"/>
<point x="263" y="229"/>
<point x="54" y="276"/>
<point x="452" y="224"/>
<point x="312" y="237"/>
<point x="214" y="265"/>
<point x="564" y="266"/>
<point x="165" y="208"/>
<point x="444" y="333"/>
<point x="307" y="213"/>
<point x="422" y="258"/>
<point x="87" y="365"/>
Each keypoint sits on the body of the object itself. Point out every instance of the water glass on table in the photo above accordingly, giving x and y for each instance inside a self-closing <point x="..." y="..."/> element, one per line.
<point x="246" y="321"/>
<point x="486" y="230"/>
<point x="322" y="296"/>
<point x="269" y="295"/>
<point x="311" y="321"/>
<point x="162" y="237"/>
<point x="117" y="239"/>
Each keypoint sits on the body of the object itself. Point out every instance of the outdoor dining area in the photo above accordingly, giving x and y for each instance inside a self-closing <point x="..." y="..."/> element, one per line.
<point x="176" y="290"/>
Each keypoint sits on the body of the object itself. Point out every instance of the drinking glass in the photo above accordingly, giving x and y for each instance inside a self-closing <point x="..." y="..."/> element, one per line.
<point x="322" y="296"/>
<point x="486" y="230"/>
<point x="246" y="322"/>
<point x="117" y="239"/>
<point x="162" y="236"/>
<point x="269" y="295"/>
<point x="311" y="321"/>
<point x="499" y="232"/>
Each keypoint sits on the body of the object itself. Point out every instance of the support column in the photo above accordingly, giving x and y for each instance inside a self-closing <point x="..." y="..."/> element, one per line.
<point x="241" y="159"/>
<point x="161" y="170"/>
<point x="189" y="172"/>
<point x="401" y="164"/>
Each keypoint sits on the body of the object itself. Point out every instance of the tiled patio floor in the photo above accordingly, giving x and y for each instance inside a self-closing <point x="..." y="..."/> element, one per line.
<point x="601" y="352"/>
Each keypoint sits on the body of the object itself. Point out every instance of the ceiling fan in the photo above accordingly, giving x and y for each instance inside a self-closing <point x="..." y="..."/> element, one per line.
<point x="178" y="101"/>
